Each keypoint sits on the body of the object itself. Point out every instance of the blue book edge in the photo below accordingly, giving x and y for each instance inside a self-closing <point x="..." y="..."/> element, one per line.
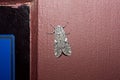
<point x="12" y="39"/>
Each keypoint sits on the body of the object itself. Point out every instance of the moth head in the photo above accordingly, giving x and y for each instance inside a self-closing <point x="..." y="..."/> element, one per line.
<point x="58" y="29"/>
<point x="58" y="26"/>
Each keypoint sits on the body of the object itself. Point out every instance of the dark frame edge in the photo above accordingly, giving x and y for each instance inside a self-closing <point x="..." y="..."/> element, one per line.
<point x="33" y="40"/>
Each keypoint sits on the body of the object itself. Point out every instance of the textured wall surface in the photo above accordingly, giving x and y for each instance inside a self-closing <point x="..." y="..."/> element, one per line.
<point x="94" y="27"/>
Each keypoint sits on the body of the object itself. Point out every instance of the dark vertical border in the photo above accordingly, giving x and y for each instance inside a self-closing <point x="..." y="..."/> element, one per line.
<point x="34" y="40"/>
<point x="12" y="44"/>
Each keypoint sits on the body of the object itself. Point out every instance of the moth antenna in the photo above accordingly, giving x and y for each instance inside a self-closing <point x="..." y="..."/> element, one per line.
<point x="52" y="26"/>
<point x="66" y="24"/>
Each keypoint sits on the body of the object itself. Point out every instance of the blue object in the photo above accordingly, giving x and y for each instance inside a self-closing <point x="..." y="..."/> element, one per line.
<point x="7" y="57"/>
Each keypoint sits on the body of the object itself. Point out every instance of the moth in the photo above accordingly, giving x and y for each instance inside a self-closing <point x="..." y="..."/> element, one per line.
<point x="61" y="44"/>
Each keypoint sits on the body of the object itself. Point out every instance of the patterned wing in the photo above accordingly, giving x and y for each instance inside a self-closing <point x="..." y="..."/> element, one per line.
<point x="67" y="49"/>
<point x="57" y="49"/>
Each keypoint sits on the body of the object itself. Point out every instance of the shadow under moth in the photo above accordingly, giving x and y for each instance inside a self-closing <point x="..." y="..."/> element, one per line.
<point x="61" y="44"/>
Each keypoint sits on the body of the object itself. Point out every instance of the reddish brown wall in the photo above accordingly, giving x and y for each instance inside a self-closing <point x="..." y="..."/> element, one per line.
<point x="94" y="27"/>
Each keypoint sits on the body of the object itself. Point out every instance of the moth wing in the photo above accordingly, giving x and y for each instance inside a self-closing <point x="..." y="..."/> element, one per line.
<point x="67" y="49"/>
<point x="57" y="49"/>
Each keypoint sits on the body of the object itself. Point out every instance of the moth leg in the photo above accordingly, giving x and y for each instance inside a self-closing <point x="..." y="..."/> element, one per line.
<point x="51" y="33"/>
<point x="67" y="33"/>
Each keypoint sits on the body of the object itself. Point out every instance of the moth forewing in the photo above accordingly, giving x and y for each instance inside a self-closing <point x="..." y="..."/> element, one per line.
<point x="67" y="49"/>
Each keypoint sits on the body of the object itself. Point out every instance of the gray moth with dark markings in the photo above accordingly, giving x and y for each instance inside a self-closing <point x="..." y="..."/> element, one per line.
<point x="61" y="44"/>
